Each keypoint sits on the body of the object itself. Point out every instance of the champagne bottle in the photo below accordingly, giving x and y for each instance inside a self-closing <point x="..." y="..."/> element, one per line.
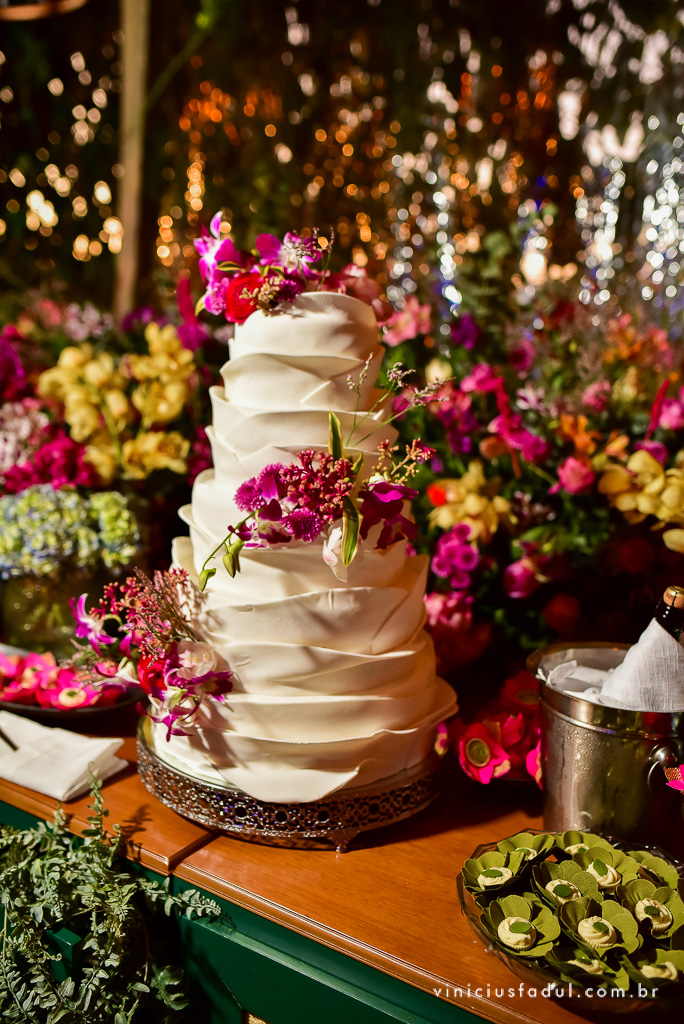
<point x="669" y="612"/>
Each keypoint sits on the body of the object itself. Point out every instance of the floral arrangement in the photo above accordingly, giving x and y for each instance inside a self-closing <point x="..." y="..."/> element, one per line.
<point x="44" y="531"/>
<point x="122" y="409"/>
<point x="557" y="482"/>
<point x="141" y="634"/>
<point x="85" y="402"/>
<point x="36" y="680"/>
<point x="588" y="912"/>
<point x="237" y="282"/>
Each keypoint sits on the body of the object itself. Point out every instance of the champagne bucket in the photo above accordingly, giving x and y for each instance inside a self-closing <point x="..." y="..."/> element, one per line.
<point x="603" y="767"/>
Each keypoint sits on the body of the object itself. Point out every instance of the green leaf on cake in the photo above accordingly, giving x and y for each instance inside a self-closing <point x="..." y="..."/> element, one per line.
<point x="484" y="866"/>
<point x="627" y="936"/>
<point x="350" y="530"/>
<point x="657" y="968"/>
<point x="535" y="916"/>
<point x="335" y="442"/>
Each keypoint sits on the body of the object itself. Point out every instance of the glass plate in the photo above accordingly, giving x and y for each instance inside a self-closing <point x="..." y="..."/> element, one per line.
<point x="539" y="973"/>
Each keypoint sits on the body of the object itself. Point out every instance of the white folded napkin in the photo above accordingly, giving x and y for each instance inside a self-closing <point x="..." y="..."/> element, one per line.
<point x="54" y="761"/>
<point x="651" y="677"/>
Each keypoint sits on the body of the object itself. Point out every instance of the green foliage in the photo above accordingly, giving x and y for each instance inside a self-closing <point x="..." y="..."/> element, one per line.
<point x="59" y="892"/>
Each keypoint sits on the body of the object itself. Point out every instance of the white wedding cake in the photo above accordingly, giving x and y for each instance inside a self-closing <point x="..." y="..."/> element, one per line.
<point x="333" y="678"/>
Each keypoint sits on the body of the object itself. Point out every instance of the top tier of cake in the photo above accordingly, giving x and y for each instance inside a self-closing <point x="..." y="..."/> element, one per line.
<point x="334" y="680"/>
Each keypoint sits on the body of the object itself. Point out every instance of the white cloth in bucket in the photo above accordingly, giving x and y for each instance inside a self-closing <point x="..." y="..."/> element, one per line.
<point x="651" y="677"/>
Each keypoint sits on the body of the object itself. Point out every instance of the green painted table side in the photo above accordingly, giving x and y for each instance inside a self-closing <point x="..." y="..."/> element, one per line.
<point x="244" y="962"/>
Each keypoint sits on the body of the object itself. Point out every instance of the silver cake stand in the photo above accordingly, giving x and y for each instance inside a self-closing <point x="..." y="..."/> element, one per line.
<point x="333" y="821"/>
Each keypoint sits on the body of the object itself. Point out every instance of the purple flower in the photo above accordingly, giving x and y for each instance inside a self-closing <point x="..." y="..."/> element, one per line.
<point x="191" y="332"/>
<point x="521" y="357"/>
<point x="465" y="331"/>
<point x="89" y="626"/>
<point x="270" y="483"/>
<point x="383" y="502"/>
<point x="304" y="524"/>
<point x="293" y="254"/>
<point x="519" y="578"/>
<point x="213" y="249"/>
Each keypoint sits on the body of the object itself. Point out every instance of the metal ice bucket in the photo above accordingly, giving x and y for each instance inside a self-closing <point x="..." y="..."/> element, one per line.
<point x="603" y="767"/>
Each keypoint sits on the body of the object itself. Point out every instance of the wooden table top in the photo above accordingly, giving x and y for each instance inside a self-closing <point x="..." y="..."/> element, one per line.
<point x="390" y="902"/>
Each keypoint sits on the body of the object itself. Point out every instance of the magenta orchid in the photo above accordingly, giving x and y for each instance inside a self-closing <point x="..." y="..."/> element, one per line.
<point x="89" y="625"/>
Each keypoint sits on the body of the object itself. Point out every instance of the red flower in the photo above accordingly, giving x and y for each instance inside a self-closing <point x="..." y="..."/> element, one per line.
<point x="241" y="296"/>
<point x="151" y="675"/>
<point x="562" y="613"/>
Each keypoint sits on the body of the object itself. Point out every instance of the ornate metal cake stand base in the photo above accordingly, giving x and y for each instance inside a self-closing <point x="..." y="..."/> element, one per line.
<point x="333" y="821"/>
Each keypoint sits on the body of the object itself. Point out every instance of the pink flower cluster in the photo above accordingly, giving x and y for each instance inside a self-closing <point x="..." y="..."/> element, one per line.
<point x="506" y="738"/>
<point x="237" y="283"/>
<point x="36" y="679"/>
<point x="298" y="502"/>
<point x="508" y="426"/>
<point x="454" y="558"/>
<point x="294" y="501"/>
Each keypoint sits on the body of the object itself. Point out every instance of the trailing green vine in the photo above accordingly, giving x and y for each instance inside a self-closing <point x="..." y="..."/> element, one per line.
<point x="77" y="936"/>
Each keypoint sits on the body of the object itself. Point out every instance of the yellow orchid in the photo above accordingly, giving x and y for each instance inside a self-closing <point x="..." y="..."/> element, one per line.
<point x="160" y="401"/>
<point x="152" y="450"/>
<point x="472" y="499"/>
<point x="80" y="414"/>
<point x="168" y="360"/>
<point x="102" y="454"/>
<point x="643" y="488"/>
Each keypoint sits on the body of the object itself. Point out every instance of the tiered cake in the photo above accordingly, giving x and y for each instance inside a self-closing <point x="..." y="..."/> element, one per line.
<point x="333" y="679"/>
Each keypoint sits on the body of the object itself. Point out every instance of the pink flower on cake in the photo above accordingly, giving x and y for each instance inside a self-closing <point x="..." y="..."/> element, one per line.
<point x="354" y="281"/>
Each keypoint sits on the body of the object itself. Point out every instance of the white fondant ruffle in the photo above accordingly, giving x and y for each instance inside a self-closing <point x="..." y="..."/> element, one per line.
<point x="315" y="323"/>
<point x="264" y="382"/>
<point x="296" y="772"/>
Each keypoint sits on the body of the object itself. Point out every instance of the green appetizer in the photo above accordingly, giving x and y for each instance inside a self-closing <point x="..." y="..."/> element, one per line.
<point x="559" y="883"/>
<point x="522" y="925"/>
<point x="600" y="927"/>
<point x="584" y="910"/>
<point x="659" y="911"/>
